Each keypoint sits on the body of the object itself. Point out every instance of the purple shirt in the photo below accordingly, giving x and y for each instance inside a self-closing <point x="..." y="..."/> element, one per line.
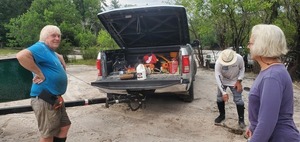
<point x="271" y="107"/>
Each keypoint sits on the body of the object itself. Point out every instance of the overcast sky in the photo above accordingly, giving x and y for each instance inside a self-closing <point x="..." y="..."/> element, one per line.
<point x="140" y="2"/>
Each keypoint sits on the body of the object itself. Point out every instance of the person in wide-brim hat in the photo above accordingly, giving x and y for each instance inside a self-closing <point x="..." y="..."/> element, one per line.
<point x="229" y="73"/>
<point x="227" y="57"/>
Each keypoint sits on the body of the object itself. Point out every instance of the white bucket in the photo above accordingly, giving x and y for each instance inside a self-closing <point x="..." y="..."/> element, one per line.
<point x="141" y="72"/>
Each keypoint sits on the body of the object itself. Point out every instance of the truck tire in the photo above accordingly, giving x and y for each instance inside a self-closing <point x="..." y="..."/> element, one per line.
<point x="190" y="97"/>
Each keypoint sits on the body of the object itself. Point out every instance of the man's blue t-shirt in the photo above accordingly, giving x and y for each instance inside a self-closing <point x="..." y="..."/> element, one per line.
<point x="55" y="76"/>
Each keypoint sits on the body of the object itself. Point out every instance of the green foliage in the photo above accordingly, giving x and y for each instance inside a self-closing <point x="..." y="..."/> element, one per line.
<point x="115" y="4"/>
<point x="24" y="30"/>
<point x="289" y="28"/>
<point x="69" y="32"/>
<point x="228" y="23"/>
<point x="88" y="10"/>
<point x="65" y="49"/>
<point x="90" y="62"/>
<point x="105" y="42"/>
<point x="86" y="39"/>
<point x="21" y="29"/>
<point x="10" y="9"/>
<point x="6" y="51"/>
<point x="90" y="53"/>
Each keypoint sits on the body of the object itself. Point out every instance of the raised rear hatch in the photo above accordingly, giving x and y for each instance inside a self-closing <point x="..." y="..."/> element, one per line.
<point x="147" y="26"/>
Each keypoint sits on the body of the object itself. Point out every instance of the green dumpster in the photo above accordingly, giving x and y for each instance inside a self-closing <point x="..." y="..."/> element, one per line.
<point x="15" y="81"/>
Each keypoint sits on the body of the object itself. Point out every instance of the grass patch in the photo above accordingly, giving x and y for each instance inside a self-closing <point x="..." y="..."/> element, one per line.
<point x="6" y="51"/>
<point x="91" y="62"/>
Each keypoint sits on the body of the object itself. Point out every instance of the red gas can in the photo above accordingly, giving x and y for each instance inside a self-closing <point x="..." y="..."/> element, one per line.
<point x="173" y="66"/>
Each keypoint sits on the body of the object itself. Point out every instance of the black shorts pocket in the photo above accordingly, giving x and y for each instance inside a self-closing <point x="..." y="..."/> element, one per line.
<point x="47" y="97"/>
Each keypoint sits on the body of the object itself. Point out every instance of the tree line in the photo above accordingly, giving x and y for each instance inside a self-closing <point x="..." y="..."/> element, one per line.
<point x="227" y="23"/>
<point x="218" y="24"/>
<point x="77" y="19"/>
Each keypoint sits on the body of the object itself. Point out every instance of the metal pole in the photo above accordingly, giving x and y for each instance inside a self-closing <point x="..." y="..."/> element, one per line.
<point x="20" y="109"/>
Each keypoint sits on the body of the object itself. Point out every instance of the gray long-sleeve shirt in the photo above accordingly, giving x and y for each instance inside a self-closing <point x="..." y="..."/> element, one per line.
<point x="228" y="75"/>
<point x="271" y="107"/>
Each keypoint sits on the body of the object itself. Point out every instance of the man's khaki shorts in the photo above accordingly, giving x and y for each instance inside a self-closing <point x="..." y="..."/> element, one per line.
<point x="49" y="120"/>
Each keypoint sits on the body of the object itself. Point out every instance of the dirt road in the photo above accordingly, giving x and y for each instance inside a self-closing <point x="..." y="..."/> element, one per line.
<point x="165" y="118"/>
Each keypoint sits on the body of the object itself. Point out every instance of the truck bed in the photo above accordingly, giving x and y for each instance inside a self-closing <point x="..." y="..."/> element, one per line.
<point x="153" y="81"/>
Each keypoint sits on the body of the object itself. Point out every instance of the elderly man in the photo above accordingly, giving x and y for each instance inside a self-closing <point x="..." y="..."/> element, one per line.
<point x="229" y="73"/>
<point x="48" y="84"/>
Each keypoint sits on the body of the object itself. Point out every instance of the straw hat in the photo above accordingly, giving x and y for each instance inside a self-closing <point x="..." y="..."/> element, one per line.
<point x="227" y="57"/>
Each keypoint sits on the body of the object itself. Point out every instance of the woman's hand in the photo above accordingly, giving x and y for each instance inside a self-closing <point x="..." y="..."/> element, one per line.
<point x="248" y="133"/>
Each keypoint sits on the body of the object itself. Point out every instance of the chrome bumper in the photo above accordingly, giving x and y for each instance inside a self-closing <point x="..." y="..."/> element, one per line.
<point x="175" y="89"/>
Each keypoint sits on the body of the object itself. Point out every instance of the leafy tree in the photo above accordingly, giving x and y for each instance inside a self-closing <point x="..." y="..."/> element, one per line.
<point x="88" y="9"/>
<point x="115" y="4"/>
<point x="235" y="19"/>
<point x="293" y="15"/>
<point x="24" y="30"/>
<point x="21" y="29"/>
<point x="105" y="41"/>
<point x="10" y="9"/>
<point x="86" y="39"/>
<point x="199" y="25"/>
<point x="291" y="27"/>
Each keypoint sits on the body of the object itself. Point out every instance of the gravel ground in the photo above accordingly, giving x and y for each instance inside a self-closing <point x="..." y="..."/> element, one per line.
<point x="165" y="118"/>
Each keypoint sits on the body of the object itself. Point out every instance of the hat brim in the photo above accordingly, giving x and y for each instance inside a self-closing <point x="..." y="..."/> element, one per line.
<point x="227" y="63"/>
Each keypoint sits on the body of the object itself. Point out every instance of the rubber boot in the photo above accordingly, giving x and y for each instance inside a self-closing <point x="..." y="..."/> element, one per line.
<point x="240" y="110"/>
<point x="221" y="107"/>
<point x="56" y="139"/>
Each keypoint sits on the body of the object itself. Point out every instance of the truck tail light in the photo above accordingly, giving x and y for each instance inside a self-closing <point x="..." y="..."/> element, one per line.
<point x="185" y="64"/>
<point x="98" y="64"/>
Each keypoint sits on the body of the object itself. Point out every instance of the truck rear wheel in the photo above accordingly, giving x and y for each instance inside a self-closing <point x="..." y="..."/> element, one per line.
<point x="190" y="96"/>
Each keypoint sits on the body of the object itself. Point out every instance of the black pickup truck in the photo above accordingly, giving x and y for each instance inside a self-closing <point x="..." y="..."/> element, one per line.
<point x="157" y="31"/>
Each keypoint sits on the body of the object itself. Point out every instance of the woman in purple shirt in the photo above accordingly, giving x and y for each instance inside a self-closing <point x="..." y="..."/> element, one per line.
<point x="271" y="104"/>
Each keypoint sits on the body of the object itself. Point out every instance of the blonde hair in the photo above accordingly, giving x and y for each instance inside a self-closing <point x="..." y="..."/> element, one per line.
<point x="47" y="30"/>
<point x="269" y="41"/>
